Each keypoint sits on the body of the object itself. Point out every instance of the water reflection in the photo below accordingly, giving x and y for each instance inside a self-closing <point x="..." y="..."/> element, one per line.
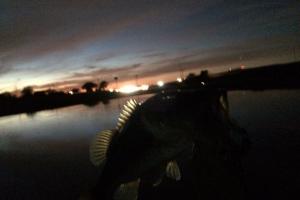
<point x="46" y="154"/>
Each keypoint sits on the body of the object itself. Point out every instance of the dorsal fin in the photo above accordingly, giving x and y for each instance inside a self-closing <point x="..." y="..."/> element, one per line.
<point x="99" y="146"/>
<point x="129" y="107"/>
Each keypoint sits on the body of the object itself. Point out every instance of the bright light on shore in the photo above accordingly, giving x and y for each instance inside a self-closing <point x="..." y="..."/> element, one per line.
<point x="144" y="87"/>
<point x="128" y="89"/>
<point x="132" y="88"/>
<point x="179" y="80"/>
<point x="160" y="83"/>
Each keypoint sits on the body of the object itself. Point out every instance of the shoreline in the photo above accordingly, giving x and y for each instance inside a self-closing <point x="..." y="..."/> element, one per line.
<point x="281" y="76"/>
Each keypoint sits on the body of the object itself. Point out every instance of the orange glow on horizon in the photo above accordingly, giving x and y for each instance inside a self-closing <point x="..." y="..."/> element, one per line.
<point x="147" y="80"/>
<point x="133" y="88"/>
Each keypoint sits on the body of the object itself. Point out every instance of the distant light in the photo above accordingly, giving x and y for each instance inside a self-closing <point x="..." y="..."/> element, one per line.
<point x="242" y="66"/>
<point x="71" y="92"/>
<point x="160" y="83"/>
<point x="129" y="89"/>
<point x="230" y="69"/>
<point x="144" y="87"/>
<point x="179" y="80"/>
<point x="202" y="83"/>
<point x="111" y="90"/>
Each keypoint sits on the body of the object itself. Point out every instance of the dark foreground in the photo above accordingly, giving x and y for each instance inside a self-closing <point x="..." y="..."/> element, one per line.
<point x="60" y="169"/>
<point x="216" y="173"/>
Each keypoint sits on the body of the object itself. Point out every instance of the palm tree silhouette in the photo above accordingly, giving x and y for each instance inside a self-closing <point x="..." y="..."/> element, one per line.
<point x="89" y="86"/>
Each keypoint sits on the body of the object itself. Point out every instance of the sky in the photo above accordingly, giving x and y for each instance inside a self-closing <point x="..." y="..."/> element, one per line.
<point x="64" y="43"/>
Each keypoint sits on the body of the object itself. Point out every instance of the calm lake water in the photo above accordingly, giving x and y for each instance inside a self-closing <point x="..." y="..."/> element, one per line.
<point x="45" y="155"/>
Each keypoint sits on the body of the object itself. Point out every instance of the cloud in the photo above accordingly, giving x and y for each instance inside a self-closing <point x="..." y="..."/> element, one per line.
<point x="103" y="57"/>
<point x="38" y="28"/>
<point x="267" y="52"/>
<point x="75" y="83"/>
<point x="155" y="54"/>
<point x="5" y="67"/>
<point x="107" y="72"/>
<point x="52" y="39"/>
<point x="78" y="78"/>
<point x="252" y="53"/>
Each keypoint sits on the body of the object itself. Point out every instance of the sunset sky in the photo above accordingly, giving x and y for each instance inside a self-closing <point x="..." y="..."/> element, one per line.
<point x="63" y="43"/>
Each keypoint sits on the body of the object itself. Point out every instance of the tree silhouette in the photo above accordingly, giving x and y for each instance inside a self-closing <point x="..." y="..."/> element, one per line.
<point x="75" y="90"/>
<point x="103" y="85"/>
<point x="40" y="94"/>
<point x="116" y="81"/>
<point x="89" y="86"/>
<point x="6" y="95"/>
<point x="190" y="76"/>
<point x="27" y="91"/>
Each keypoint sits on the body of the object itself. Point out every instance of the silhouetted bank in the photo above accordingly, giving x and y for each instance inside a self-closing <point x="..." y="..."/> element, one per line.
<point x="281" y="76"/>
<point x="42" y="100"/>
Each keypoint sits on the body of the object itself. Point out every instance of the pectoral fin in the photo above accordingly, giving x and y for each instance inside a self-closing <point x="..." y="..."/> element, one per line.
<point x="127" y="191"/>
<point x="173" y="171"/>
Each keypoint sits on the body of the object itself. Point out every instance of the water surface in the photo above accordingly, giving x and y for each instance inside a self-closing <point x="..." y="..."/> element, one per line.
<point x="45" y="155"/>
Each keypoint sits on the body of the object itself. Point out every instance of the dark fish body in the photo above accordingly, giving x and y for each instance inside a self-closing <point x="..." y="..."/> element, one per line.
<point x="151" y="137"/>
